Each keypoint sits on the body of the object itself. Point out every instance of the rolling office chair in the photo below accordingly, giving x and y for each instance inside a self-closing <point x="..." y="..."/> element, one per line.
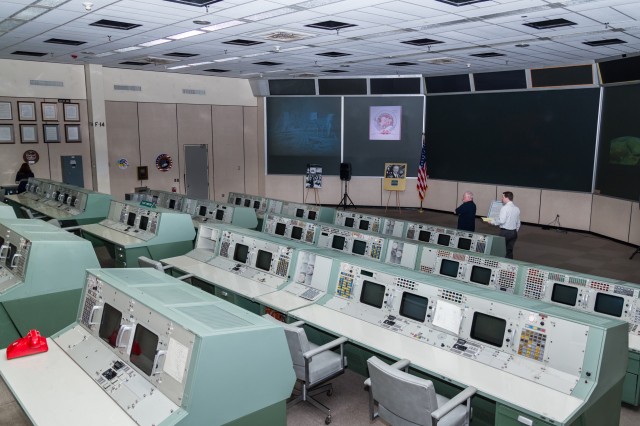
<point x="314" y="365"/>
<point x="404" y="399"/>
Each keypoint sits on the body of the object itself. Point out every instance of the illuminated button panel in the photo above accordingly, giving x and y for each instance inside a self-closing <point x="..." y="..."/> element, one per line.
<point x="345" y="286"/>
<point x="533" y="341"/>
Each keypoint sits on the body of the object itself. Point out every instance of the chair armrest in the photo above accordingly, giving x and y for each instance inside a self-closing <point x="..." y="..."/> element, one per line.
<point x="332" y="344"/>
<point x="402" y="364"/>
<point x="453" y="403"/>
<point x="182" y="277"/>
<point x="297" y="324"/>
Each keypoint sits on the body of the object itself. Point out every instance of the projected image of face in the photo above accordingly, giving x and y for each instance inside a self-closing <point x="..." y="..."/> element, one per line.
<point x="396" y="252"/>
<point x="305" y="271"/>
<point x="625" y="151"/>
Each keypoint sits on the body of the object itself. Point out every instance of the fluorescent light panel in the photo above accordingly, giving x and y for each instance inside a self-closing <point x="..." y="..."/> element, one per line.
<point x="155" y="42"/>
<point x="178" y="67"/>
<point x="186" y="34"/>
<point x="29" y="13"/>
<point x="222" y="25"/>
<point x="232" y="58"/>
<point x="50" y="3"/>
<point x="127" y="49"/>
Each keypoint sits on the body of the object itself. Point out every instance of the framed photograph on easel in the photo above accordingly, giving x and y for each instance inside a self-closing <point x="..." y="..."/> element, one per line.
<point x="395" y="176"/>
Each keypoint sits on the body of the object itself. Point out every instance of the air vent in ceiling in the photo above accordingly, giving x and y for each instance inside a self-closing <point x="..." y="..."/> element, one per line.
<point x="333" y="54"/>
<point x="330" y="25"/>
<point x="284" y="35"/>
<point x="181" y="54"/>
<point x="156" y="60"/>
<point x="66" y="42"/>
<point x="487" y="55"/>
<point x="116" y="25"/>
<point x="607" y="42"/>
<point x="200" y="92"/>
<point x="305" y="75"/>
<point x="422" y="42"/>
<point x="242" y="42"/>
<point x="439" y="61"/>
<point x="402" y="64"/>
<point x="135" y="63"/>
<point x="550" y="23"/>
<point x="268" y="63"/>
<point x="216" y="70"/>
<point x="127" y="88"/>
<point x="334" y="71"/>
<point x="50" y="83"/>
<point x="27" y="53"/>
<point x="195" y="2"/>
<point x="460" y="2"/>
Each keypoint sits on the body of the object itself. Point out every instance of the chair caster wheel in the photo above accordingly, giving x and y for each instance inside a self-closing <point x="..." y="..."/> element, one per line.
<point x="327" y="420"/>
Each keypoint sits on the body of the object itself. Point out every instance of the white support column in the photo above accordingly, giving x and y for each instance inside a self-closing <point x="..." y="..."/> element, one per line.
<point x="97" y="128"/>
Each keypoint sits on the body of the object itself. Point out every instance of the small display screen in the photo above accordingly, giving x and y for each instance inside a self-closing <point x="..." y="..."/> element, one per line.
<point x="154" y="199"/>
<point x="414" y="306"/>
<point x="144" y="348"/>
<point x="202" y="211"/>
<point x="263" y="261"/>
<point x="444" y="239"/>
<point x="172" y="204"/>
<point x="488" y="329"/>
<point x="480" y="275"/>
<point x="348" y="221"/>
<point x="424" y="236"/>
<point x="299" y="213"/>
<point x="144" y="221"/>
<point x="280" y="228"/>
<point x="464" y="243"/>
<point x="240" y="253"/>
<point x="238" y="201"/>
<point x="131" y="219"/>
<point x="312" y="215"/>
<point x="449" y="268"/>
<point x="247" y="203"/>
<point x="359" y="247"/>
<point x="296" y="233"/>
<point x="364" y="225"/>
<point x="337" y="242"/>
<point x="567" y="295"/>
<point x="110" y="324"/>
<point x="72" y="201"/>
<point x="608" y="304"/>
<point x="65" y="198"/>
<point x="372" y="294"/>
<point x="219" y="214"/>
<point x="256" y="204"/>
<point x="10" y="254"/>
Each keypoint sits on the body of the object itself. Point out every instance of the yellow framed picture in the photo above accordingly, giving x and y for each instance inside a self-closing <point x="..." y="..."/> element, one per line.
<point x="395" y="176"/>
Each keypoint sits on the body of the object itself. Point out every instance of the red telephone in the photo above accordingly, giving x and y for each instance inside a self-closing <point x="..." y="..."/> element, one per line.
<point x="32" y="343"/>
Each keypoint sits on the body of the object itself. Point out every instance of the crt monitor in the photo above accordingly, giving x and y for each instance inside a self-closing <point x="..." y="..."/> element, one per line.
<point x="348" y="221"/>
<point x="263" y="261"/>
<point x="110" y="324"/>
<point x="609" y="305"/>
<point x="296" y="233"/>
<point x="256" y="205"/>
<point x="444" y="239"/>
<point x="144" y="349"/>
<point x="241" y="252"/>
<point x="464" y="243"/>
<point x="372" y="294"/>
<point x="238" y="201"/>
<point x="414" y="306"/>
<point x="480" y="275"/>
<point x="72" y="201"/>
<point x="65" y="198"/>
<point x="131" y="219"/>
<point x="564" y="294"/>
<point x="299" y="213"/>
<point x="337" y="242"/>
<point x="359" y="247"/>
<point x="202" y="211"/>
<point x="144" y="221"/>
<point x="364" y="225"/>
<point x="247" y="203"/>
<point x="312" y="215"/>
<point x="488" y="329"/>
<point x="172" y="204"/>
<point x="424" y="236"/>
<point x="449" y="268"/>
<point x="280" y="228"/>
<point x="219" y="214"/>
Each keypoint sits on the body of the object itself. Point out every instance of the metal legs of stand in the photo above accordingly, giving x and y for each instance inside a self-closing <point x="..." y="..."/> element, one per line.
<point x="346" y="200"/>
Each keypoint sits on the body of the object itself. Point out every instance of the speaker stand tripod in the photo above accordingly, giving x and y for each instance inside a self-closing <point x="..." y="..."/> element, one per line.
<point x="346" y="200"/>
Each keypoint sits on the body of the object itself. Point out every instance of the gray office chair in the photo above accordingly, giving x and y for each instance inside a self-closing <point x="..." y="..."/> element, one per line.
<point x="314" y="365"/>
<point x="404" y="399"/>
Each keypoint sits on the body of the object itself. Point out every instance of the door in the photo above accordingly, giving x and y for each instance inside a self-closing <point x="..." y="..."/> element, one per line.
<point x="196" y="171"/>
<point x="72" y="173"/>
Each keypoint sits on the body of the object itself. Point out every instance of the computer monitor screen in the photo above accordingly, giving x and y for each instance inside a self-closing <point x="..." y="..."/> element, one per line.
<point x="348" y="221"/>
<point x="240" y="253"/>
<point x="567" y="295"/>
<point x="488" y="329"/>
<point x="364" y="225"/>
<point x="424" y="236"/>
<point x="131" y="219"/>
<point x="372" y="294"/>
<point x="110" y="324"/>
<point x="172" y="204"/>
<point x="337" y="242"/>
<point x="10" y="254"/>
<point x="256" y="205"/>
<point x="280" y="228"/>
<point x="299" y="213"/>
<point x="608" y="304"/>
<point x="480" y="275"/>
<point x="219" y="214"/>
<point x="444" y="239"/>
<point x="144" y="348"/>
<point x="202" y="211"/>
<point x="449" y="268"/>
<point x="359" y="247"/>
<point x="296" y="233"/>
<point x="65" y="198"/>
<point x="263" y="261"/>
<point x="238" y="201"/>
<point x="72" y="201"/>
<point x="247" y="203"/>
<point x="312" y="215"/>
<point x="154" y="199"/>
<point x="144" y="221"/>
<point x="464" y="243"/>
<point x="414" y="306"/>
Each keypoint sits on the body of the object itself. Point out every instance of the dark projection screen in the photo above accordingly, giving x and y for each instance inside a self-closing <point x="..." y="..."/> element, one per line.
<point x="619" y="151"/>
<point x="367" y="157"/>
<point x="539" y="139"/>
<point x="301" y="131"/>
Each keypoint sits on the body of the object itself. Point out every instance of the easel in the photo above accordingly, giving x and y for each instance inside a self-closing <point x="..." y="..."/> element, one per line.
<point x="397" y="200"/>
<point x="316" y="196"/>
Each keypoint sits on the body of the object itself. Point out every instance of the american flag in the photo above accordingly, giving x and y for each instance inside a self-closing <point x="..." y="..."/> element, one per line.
<point x="422" y="172"/>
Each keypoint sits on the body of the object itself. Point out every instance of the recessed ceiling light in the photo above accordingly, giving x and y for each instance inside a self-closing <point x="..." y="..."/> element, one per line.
<point x="487" y="55"/>
<point x="197" y="64"/>
<point x="231" y="58"/>
<point x="63" y="41"/>
<point x="186" y="34"/>
<point x="30" y="13"/>
<point x="155" y="42"/>
<point x="222" y="25"/>
<point x="102" y="55"/>
<point x="422" y="42"/>
<point x="127" y="49"/>
<point x="116" y="25"/>
<point x="26" y="53"/>
<point x="199" y="22"/>
<point x="330" y="25"/>
<point x="50" y="3"/>
<point x="243" y="42"/>
<point x="550" y="23"/>
<point x="333" y="54"/>
<point x="194" y="2"/>
<point x="9" y="24"/>
<point x="607" y="42"/>
<point x="402" y="64"/>
<point x="177" y="67"/>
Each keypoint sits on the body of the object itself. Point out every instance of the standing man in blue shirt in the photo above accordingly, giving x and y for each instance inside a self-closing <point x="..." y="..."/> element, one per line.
<point x="509" y="222"/>
<point x="467" y="213"/>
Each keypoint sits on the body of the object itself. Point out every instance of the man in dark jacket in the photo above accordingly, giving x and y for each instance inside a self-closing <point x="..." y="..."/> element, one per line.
<point x="467" y="213"/>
